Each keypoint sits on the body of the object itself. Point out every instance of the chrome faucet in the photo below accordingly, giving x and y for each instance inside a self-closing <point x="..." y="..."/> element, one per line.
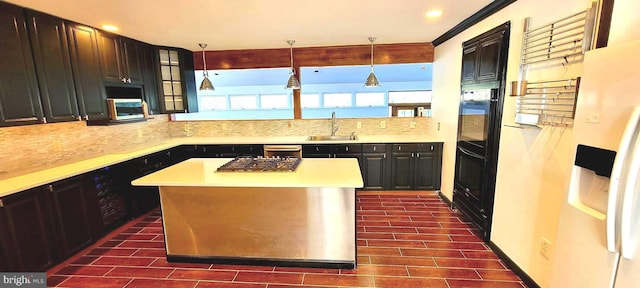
<point x="334" y="124"/>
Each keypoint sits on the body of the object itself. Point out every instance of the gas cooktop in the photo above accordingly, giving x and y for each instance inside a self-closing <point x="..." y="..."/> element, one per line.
<point x="250" y="164"/>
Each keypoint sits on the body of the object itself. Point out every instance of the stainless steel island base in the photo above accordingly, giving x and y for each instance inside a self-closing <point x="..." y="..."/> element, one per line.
<point x="282" y="226"/>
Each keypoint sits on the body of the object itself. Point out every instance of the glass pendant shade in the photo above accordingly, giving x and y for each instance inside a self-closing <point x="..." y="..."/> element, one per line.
<point x="293" y="82"/>
<point x="206" y="84"/>
<point x="372" y="80"/>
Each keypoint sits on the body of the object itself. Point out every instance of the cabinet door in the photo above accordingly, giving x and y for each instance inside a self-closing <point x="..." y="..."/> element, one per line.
<point x="53" y="66"/>
<point x="71" y="216"/>
<point x="469" y="58"/>
<point x="149" y="60"/>
<point x="110" y="55"/>
<point x="19" y="96"/>
<point x="25" y="234"/>
<point x="489" y="58"/>
<point x="131" y="60"/>
<point x="374" y="170"/>
<point x="402" y="170"/>
<point x="86" y="72"/>
<point x="426" y="171"/>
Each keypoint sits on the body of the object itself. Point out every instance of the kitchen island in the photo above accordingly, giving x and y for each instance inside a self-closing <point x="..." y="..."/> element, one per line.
<point x="301" y="218"/>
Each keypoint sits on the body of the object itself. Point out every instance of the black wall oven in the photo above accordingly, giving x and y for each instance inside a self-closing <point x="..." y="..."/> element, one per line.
<point x="472" y="176"/>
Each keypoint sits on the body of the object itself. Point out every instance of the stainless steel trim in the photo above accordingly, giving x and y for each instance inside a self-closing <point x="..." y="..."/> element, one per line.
<point x="318" y="224"/>
<point x="282" y="150"/>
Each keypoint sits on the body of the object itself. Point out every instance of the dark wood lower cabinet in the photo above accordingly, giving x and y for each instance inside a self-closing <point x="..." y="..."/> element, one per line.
<point x="26" y="238"/>
<point x="374" y="170"/>
<point x="402" y="170"/>
<point x="416" y="166"/>
<point x="76" y="215"/>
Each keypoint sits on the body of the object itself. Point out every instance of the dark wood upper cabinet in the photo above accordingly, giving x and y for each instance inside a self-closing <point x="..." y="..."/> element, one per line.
<point x="482" y="58"/>
<point x="489" y="57"/>
<point x="119" y="59"/>
<point x="19" y="95"/>
<point x="132" y="61"/>
<point x="53" y="66"/>
<point x="149" y="66"/>
<point x="85" y="64"/>
<point x="469" y="55"/>
<point x="25" y="236"/>
<point x="109" y="51"/>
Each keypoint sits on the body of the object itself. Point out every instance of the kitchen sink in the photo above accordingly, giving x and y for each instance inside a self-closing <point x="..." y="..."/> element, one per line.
<point x="331" y="138"/>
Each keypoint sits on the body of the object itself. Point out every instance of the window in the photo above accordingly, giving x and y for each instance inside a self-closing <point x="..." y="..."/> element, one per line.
<point x="370" y="99"/>
<point x="337" y="99"/>
<point x="213" y="103"/>
<point x="243" y="102"/>
<point x="274" y="101"/>
<point x="418" y="96"/>
<point x="310" y="100"/>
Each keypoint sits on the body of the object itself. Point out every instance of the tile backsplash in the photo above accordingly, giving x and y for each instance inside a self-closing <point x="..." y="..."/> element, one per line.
<point x="33" y="147"/>
<point x="301" y="127"/>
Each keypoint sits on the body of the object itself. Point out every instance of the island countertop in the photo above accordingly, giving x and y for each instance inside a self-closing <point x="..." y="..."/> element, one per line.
<point x="311" y="172"/>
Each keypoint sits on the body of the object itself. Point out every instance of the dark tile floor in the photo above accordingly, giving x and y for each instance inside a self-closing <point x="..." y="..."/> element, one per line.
<point x="404" y="240"/>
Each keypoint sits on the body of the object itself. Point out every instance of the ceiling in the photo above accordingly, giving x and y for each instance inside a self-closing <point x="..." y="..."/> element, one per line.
<point x="260" y="24"/>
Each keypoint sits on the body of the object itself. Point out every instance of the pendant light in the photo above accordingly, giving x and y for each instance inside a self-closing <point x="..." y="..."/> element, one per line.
<point x="293" y="82"/>
<point x="372" y="80"/>
<point x="206" y="83"/>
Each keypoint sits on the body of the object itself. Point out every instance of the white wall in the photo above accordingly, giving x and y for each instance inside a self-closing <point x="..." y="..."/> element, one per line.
<point x="625" y="22"/>
<point x="534" y="164"/>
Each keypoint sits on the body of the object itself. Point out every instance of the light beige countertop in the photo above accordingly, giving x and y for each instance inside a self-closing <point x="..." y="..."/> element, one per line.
<point x="18" y="181"/>
<point x="311" y="172"/>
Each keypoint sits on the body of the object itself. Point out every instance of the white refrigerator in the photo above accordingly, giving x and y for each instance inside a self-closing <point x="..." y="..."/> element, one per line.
<point x="597" y="241"/>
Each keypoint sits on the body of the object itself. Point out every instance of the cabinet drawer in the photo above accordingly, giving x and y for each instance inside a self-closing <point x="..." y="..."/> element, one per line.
<point x="374" y="148"/>
<point x="405" y="147"/>
<point x="416" y="147"/>
<point x="316" y="149"/>
<point x="347" y="148"/>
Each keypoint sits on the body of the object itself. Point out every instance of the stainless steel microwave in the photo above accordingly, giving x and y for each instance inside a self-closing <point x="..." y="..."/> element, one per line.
<point x="124" y="109"/>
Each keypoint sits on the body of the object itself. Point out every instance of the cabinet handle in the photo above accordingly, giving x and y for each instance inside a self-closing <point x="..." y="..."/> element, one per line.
<point x="431" y="147"/>
<point x="50" y="188"/>
<point x="86" y="117"/>
<point x="1" y="203"/>
<point x="79" y="118"/>
<point x="374" y="148"/>
<point x="128" y="80"/>
<point x="44" y="120"/>
<point x="384" y="155"/>
<point x="418" y="155"/>
<point x="123" y="80"/>
<point x="399" y="148"/>
<point x="347" y="149"/>
<point x="411" y="155"/>
<point x="146" y="161"/>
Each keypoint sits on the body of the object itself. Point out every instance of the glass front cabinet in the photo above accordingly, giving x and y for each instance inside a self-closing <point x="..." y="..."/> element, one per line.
<point x="177" y="92"/>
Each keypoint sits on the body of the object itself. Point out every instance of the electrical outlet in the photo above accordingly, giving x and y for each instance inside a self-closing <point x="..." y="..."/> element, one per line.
<point x="438" y="126"/>
<point x="545" y="247"/>
<point x="593" y="117"/>
<point x="412" y="124"/>
<point x="383" y="124"/>
<point x="358" y="124"/>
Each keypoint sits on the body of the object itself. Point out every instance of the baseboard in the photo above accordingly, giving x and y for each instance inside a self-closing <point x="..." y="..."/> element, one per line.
<point x="445" y="199"/>
<point x="513" y="266"/>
